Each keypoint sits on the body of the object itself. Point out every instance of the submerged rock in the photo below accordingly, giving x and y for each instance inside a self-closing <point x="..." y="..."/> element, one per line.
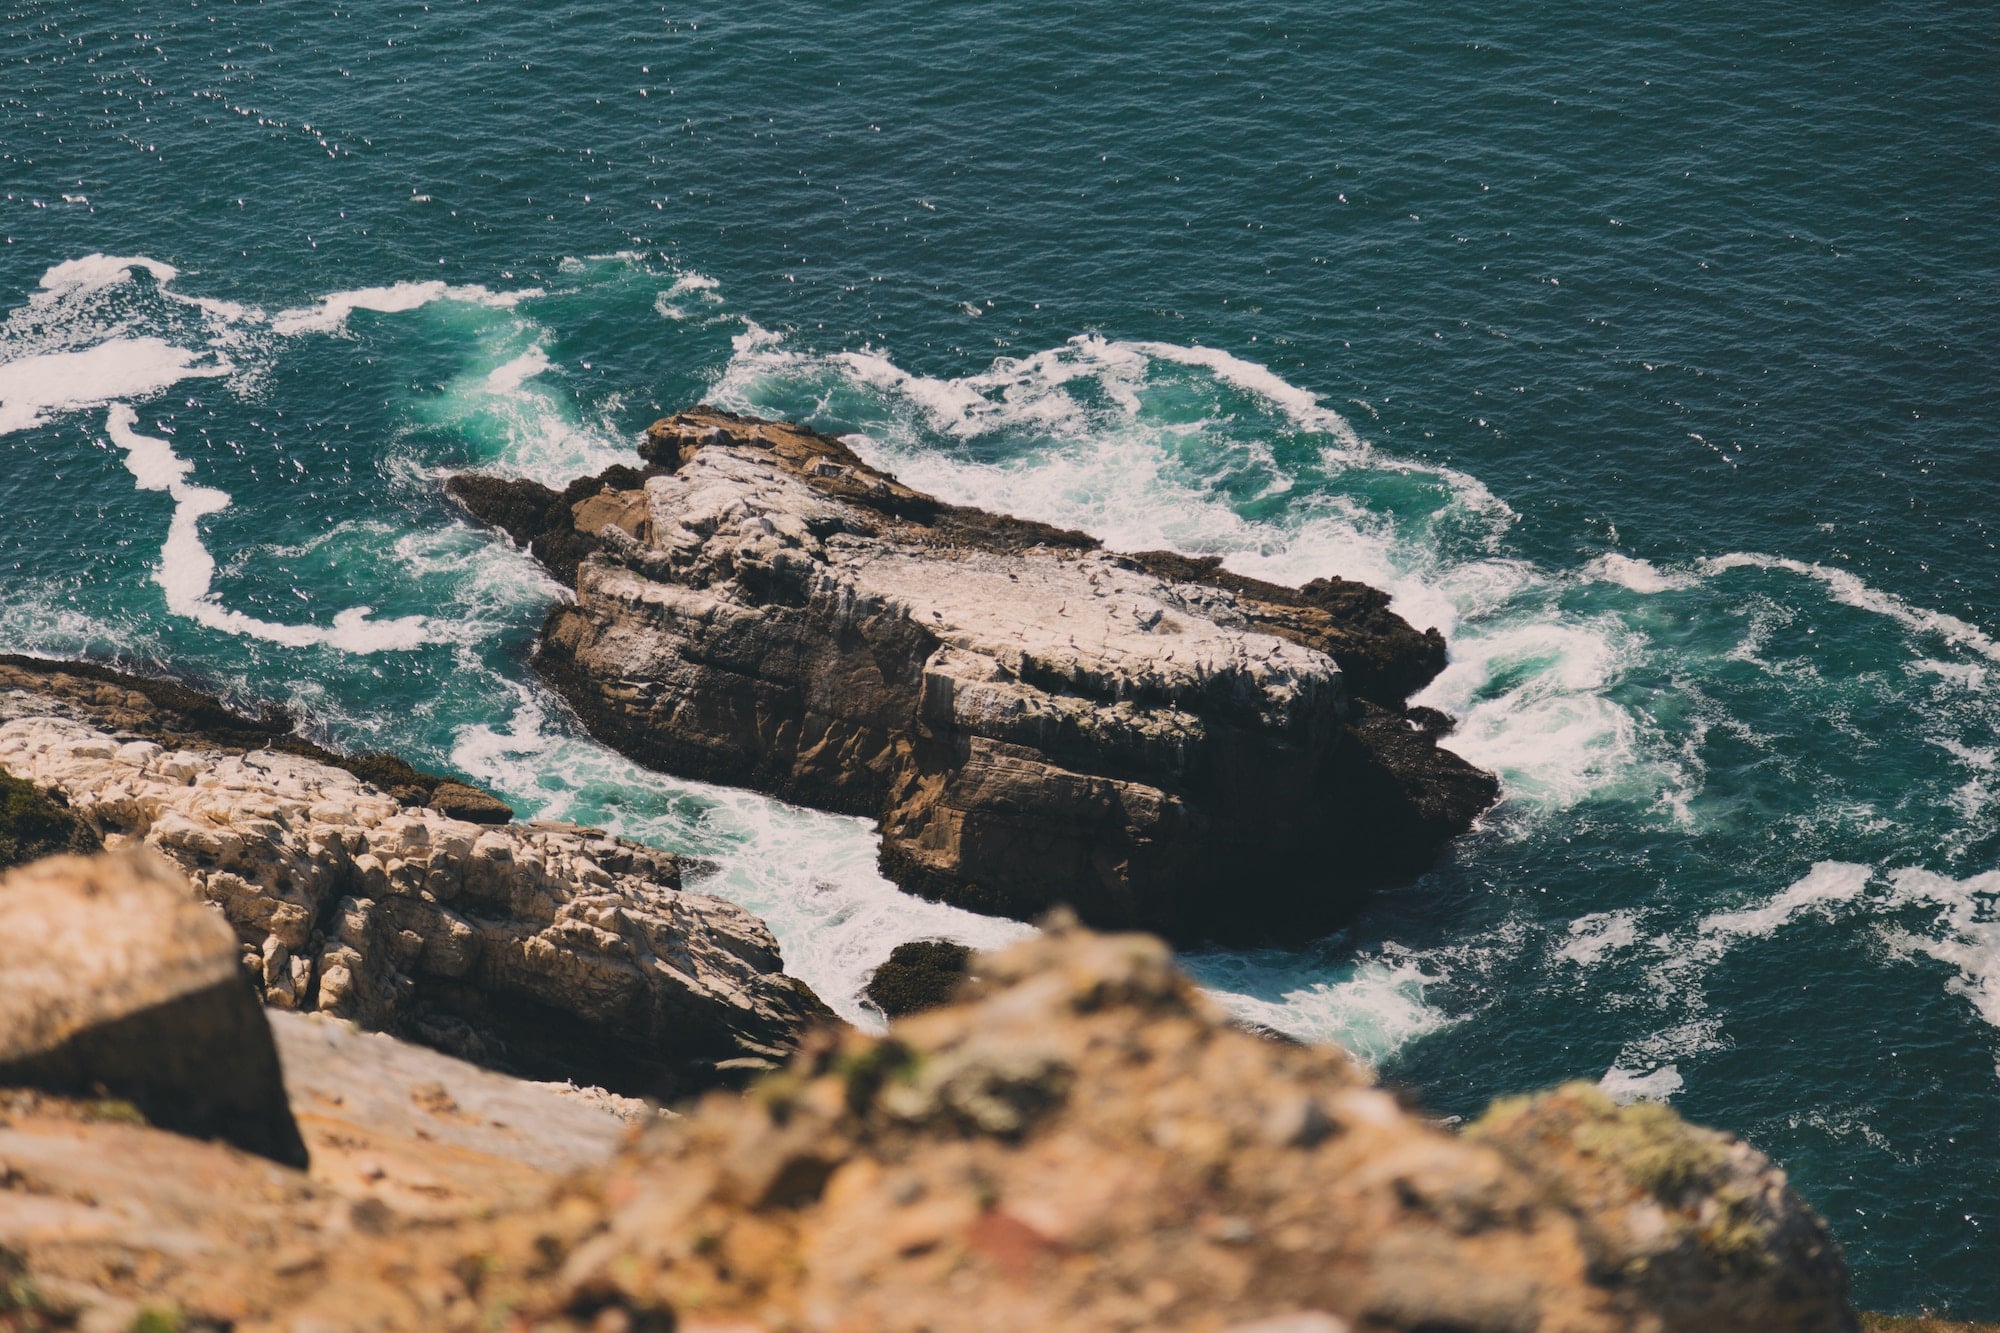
<point x="116" y="983"/>
<point x="552" y="950"/>
<point x="1034" y="720"/>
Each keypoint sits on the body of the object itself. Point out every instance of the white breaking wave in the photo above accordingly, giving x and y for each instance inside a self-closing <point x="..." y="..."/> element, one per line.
<point x="1826" y="884"/>
<point x="530" y="429"/>
<point x="1967" y="918"/>
<point x="329" y="314"/>
<point x="1626" y="1086"/>
<point x="96" y="272"/>
<point x="1637" y="575"/>
<point x="1849" y="590"/>
<point x="1594" y="936"/>
<point x="186" y="570"/>
<point x="1374" y="1011"/>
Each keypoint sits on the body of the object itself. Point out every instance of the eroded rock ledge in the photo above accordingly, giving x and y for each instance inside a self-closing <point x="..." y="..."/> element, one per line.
<point x="550" y="950"/>
<point x="1033" y="719"/>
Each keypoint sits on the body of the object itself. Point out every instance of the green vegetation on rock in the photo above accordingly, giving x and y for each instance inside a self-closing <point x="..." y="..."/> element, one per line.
<point x="35" y="823"/>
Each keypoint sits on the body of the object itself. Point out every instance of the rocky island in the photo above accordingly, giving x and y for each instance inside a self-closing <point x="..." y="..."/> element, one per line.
<point x="1033" y="719"/>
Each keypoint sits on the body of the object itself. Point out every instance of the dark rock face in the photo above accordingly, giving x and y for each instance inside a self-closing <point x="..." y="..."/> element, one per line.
<point x="115" y="981"/>
<point x="1035" y="721"/>
<point x="922" y="974"/>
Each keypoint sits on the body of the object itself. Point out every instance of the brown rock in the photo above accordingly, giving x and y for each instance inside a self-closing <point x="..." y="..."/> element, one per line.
<point x="170" y="712"/>
<point x="544" y="949"/>
<point x="455" y="800"/>
<point x="114" y="981"/>
<point x="1083" y="1143"/>
<point x="1699" y="1222"/>
<point x="1035" y="721"/>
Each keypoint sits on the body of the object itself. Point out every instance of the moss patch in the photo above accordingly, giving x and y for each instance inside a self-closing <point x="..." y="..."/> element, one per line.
<point x="35" y="823"/>
<point x="920" y="975"/>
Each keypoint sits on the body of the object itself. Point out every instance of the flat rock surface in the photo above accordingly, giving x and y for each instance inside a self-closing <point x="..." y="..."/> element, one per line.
<point x="431" y="1136"/>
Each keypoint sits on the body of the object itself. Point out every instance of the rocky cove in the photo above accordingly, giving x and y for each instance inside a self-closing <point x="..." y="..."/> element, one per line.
<point x="323" y="1041"/>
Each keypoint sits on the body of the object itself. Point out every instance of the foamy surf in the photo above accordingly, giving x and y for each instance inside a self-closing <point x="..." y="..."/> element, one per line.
<point x="1373" y="1006"/>
<point x="186" y="570"/>
<point x="811" y="876"/>
<point x="35" y="388"/>
<point x="1626" y="1086"/>
<point x="331" y="312"/>
<point x="1850" y="590"/>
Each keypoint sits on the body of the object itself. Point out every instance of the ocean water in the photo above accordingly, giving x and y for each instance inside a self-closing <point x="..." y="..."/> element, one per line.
<point x="1652" y="354"/>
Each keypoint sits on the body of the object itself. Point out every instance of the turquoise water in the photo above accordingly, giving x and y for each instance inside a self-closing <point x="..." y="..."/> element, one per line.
<point x="1652" y="356"/>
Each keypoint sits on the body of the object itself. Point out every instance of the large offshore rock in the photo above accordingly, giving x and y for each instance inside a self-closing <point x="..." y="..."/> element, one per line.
<point x="115" y="982"/>
<point x="548" y="949"/>
<point x="1034" y="720"/>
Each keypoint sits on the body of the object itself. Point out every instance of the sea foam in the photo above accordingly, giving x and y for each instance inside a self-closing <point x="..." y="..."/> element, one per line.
<point x="34" y="388"/>
<point x="187" y="570"/>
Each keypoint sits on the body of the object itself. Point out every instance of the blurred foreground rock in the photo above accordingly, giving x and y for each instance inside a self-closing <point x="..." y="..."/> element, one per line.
<point x="1085" y="1143"/>
<point x="116" y="983"/>
<point x="1080" y="1142"/>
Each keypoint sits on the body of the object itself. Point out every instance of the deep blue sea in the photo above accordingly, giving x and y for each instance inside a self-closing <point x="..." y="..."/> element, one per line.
<point x="1653" y="354"/>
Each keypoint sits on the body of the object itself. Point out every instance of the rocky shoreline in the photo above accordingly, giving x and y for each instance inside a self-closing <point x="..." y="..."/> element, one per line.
<point x="545" y="949"/>
<point x="197" y="1133"/>
<point x="1032" y="719"/>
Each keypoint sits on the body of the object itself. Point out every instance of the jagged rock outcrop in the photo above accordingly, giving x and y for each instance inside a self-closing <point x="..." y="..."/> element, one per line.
<point x="548" y="949"/>
<point x="1034" y="720"/>
<point x="115" y="982"/>
<point x="1084" y="1143"/>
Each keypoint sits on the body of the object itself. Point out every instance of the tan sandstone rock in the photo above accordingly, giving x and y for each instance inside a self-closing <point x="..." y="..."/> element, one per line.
<point x="115" y="982"/>
<point x="556" y="951"/>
